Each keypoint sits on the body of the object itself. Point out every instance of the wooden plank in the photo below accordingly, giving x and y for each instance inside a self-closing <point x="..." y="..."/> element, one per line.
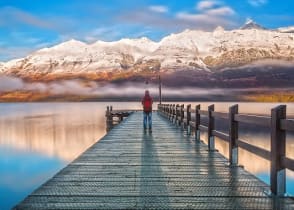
<point x="220" y="115"/>
<point x="253" y="119"/>
<point x="278" y="150"/>
<point x="287" y="124"/>
<point x="165" y="169"/>
<point x="288" y="163"/>
<point x="210" y="128"/>
<point x="221" y="135"/>
<point x="203" y="112"/>
<point x="197" y="122"/>
<point x="203" y="128"/>
<point x="254" y="149"/>
<point x="233" y="135"/>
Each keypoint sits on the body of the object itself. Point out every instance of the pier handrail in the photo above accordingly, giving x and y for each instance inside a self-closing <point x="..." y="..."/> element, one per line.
<point x="190" y="118"/>
<point x="114" y="117"/>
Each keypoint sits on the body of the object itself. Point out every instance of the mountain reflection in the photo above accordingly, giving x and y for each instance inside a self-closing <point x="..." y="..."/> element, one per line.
<point x="250" y="161"/>
<point x="64" y="132"/>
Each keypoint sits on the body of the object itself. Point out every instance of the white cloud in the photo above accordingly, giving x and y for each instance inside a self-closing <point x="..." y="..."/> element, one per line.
<point x="158" y="8"/>
<point x="204" y="20"/>
<point x="102" y="33"/>
<point x="257" y="3"/>
<point x="221" y="11"/>
<point x="211" y="14"/>
<point x="12" y="15"/>
<point x="203" y="5"/>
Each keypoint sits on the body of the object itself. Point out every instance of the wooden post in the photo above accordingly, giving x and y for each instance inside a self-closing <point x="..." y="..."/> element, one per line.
<point x="110" y="117"/>
<point x="233" y="136"/>
<point x="188" y="119"/>
<point x="210" y="128"/>
<point x="278" y="150"/>
<point x="177" y="114"/>
<point x="182" y="115"/>
<point x="108" y="121"/>
<point x="174" y="112"/>
<point x="159" y="80"/>
<point x="165" y="109"/>
<point x="171" y="112"/>
<point x="197" y="122"/>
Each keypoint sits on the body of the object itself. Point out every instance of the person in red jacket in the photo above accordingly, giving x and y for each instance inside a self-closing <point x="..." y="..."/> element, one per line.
<point x="147" y="111"/>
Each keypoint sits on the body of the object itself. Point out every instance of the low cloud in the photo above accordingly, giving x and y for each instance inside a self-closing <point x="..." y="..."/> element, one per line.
<point x="222" y="11"/>
<point x="77" y="87"/>
<point x="15" y="16"/>
<point x="207" y="16"/>
<point x="257" y="3"/>
<point x="211" y="14"/>
<point x="10" y="84"/>
<point x="158" y="8"/>
<point x="204" y="5"/>
<point x="122" y="91"/>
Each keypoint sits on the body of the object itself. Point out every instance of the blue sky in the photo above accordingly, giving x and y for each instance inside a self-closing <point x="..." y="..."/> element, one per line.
<point x="28" y="25"/>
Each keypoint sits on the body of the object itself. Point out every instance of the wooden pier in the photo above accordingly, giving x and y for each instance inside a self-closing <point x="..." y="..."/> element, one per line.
<point x="165" y="169"/>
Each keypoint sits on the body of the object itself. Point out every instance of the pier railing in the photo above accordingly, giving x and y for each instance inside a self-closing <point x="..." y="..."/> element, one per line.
<point x="114" y="117"/>
<point x="190" y="118"/>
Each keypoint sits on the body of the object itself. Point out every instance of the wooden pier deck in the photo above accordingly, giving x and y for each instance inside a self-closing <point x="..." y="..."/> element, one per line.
<point x="130" y="169"/>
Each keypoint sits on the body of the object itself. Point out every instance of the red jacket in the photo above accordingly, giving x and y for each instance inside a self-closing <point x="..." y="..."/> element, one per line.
<point x="147" y="103"/>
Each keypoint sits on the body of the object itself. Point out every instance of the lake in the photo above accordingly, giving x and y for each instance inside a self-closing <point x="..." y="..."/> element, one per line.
<point x="39" y="139"/>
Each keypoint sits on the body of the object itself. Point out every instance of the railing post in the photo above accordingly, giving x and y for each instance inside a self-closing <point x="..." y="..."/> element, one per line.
<point x="278" y="150"/>
<point x="171" y="112"/>
<point x="174" y="112"/>
<point x="233" y="136"/>
<point x="188" y="119"/>
<point x="111" y="117"/>
<point x="166" y="110"/>
<point x="197" y="122"/>
<point x="108" y="119"/>
<point x="210" y="128"/>
<point x="177" y="114"/>
<point x="182" y="116"/>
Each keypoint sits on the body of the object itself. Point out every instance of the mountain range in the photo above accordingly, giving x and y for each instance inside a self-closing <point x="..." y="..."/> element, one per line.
<point x="251" y="56"/>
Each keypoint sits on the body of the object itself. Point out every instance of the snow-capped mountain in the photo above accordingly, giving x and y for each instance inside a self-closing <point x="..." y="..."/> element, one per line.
<point x="289" y="29"/>
<point x="188" y="50"/>
<point x="250" y="24"/>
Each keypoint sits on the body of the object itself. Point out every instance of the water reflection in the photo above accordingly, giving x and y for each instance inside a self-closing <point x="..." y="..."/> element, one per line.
<point x="38" y="139"/>
<point x="253" y="163"/>
<point x="63" y="135"/>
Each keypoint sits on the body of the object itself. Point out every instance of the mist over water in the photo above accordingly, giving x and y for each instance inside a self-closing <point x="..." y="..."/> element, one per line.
<point x="39" y="139"/>
<point x="128" y="90"/>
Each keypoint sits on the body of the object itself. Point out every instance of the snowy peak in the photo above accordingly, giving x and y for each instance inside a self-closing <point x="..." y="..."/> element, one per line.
<point x="190" y="49"/>
<point x="142" y="43"/>
<point x="250" y="24"/>
<point x="71" y="44"/>
<point x="289" y="29"/>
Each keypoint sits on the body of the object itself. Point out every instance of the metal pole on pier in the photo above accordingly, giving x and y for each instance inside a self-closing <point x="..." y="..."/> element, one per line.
<point x="159" y="80"/>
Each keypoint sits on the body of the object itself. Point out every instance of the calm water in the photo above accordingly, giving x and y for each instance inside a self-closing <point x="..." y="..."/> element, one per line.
<point x="38" y="139"/>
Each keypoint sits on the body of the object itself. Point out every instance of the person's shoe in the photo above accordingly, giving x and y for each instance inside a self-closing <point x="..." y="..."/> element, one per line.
<point x="150" y="130"/>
